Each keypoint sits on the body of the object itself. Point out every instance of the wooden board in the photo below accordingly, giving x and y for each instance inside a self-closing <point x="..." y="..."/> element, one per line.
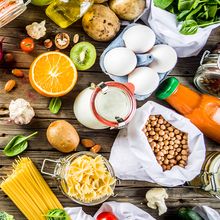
<point x="39" y="148"/>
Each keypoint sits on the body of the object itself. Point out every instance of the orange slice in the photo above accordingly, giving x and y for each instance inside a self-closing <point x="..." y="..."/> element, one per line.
<point x="53" y="74"/>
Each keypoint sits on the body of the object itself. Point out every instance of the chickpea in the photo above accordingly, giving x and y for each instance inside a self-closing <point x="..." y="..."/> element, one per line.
<point x="158" y="125"/>
<point x="185" y="146"/>
<point x="160" y="139"/>
<point x="171" y="143"/>
<point x="166" y="161"/>
<point x="160" y="154"/>
<point x="176" y="153"/>
<point x="176" y="131"/>
<point x="148" y="128"/>
<point x="165" y="136"/>
<point x="171" y="147"/>
<point x="153" y="144"/>
<point x="172" y="161"/>
<point x="158" y="158"/>
<point x="156" y="150"/>
<point x="157" y="129"/>
<point x="178" y="137"/>
<point x="152" y="133"/>
<point x="185" y="137"/>
<point x="175" y="145"/>
<point x="163" y="127"/>
<point x="170" y="129"/>
<point x="153" y="123"/>
<point x="162" y="158"/>
<point x="166" y="147"/>
<point x="178" y="149"/>
<point x="164" y="151"/>
<point x="178" y="157"/>
<point x="160" y="162"/>
<point x="181" y="165"/>
<point x="161" y="133"/>
<point x="184" y="152"/>
<point x="156" y="137"/>
<point x="168" y="167"/>
<point x="150" y="140"/>
<point x="145" y="130"/>
<point x="160" y="121"/>
<point x="177" y="141"/>
<point x="183" y="142"/>
<point x="171" y="134"/>
<point x="182" y="162"/>
<point x="169" y="156"/>
<point x="185" y="158"/>
<point x="171" y="152"/>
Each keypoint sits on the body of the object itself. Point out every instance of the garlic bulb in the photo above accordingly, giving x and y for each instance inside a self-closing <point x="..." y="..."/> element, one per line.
<point x="20" y="111"/>
<point x="36" y="30"/>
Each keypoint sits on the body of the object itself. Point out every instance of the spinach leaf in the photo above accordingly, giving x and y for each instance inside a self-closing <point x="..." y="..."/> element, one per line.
<point x="204" y="24"/>
<point x="212" y="10"/>
<point x="185" y="4"/>
<point x="182" y="15"/>
<point x="189" y="27"/>
<point x="193" y="12"/>
<point x="17" y="145"/>
<point x="55" y="105"/>
<point x="163" y="4"/>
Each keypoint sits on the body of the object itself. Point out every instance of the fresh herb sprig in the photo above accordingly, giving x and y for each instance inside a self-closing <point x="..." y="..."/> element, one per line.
<point x="57" y="214"/>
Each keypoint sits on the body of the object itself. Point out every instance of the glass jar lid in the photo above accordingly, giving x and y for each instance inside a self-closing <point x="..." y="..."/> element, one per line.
<point x="113" y="103"/>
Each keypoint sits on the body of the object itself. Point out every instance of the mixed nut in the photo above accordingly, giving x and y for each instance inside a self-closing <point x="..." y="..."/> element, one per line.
<point x="88" y="143"/>
<point x="212" y="85"/>
<point x="169" y="144"/>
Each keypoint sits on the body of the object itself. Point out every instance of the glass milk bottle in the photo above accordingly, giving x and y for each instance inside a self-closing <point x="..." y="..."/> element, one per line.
<point x="107" y="105"/>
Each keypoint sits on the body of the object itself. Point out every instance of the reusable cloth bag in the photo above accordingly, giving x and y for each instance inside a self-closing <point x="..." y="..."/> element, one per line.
<point x="207" y="213"/>
<point x="123" y="211"/>
<point x="166" y="27"/>
<point x="133" y="159"/>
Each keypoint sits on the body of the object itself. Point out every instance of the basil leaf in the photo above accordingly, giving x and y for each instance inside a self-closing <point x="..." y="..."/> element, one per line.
<point x="193" y="12"/>
<point x="163" y="4"/>
<point x="17" y="145"/>
<point x="55" y="105"/>
<point x="189" y="27"/>
<point x="212" y="10"/>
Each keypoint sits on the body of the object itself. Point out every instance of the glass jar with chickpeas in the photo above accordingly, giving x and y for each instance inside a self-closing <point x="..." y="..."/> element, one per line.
<point x="169" y="144"/>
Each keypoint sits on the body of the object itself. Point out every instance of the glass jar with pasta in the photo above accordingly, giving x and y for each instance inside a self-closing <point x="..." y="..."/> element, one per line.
<point x="85" y="177"/>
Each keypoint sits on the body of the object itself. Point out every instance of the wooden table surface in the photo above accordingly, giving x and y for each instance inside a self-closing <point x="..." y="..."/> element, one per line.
<point x="39" y="148"/>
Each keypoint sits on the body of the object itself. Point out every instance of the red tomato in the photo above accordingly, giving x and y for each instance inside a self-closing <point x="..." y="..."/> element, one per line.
<point x="106" y="216"/>
<point x="27" y="45"/>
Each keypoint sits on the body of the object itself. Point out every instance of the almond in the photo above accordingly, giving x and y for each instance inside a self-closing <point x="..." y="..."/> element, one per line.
<point x="96" y="148"/>
<point x="75" y="38"/>
<point x="17" y="73"/>
<point x="10" y="85"/>
<point x="88" y="143"/>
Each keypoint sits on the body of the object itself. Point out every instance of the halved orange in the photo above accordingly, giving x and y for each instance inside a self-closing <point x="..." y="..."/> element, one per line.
<point x="53" y="74"/>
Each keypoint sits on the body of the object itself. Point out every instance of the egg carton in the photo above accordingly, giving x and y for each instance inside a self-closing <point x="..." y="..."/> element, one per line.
<point x="142" y="60"/>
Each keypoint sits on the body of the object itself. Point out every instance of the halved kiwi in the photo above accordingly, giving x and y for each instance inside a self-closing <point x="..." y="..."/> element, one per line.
<point x="83" y="55"/>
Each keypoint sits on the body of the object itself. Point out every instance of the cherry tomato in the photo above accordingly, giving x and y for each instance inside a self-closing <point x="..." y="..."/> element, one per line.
<point x="106" y="216"/>
<point x="27" y="45"/>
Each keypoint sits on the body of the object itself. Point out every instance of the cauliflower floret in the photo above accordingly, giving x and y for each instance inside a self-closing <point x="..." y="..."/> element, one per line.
<point x="156" y="199"/>
<point x="36" y="30"/>
<point x="20" y="111"/>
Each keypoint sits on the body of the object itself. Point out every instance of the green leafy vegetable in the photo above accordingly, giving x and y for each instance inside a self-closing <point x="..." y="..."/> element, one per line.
<point x="57" y="214"/>
<point x="162" y="3"/>
<point x="189" y="27"/>
<point x="17" y="145"/>
<point x="55" y="105"/>
<point x="193" y="14"/>
<point x="5" y="216"/>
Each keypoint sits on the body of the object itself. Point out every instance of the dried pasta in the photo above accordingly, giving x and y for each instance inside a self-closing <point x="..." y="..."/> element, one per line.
<point x="88" y="179"/>
<point x="29" y="191"/>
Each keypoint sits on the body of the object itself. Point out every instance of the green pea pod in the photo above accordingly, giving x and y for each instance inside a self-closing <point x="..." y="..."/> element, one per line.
<point x="17" y="145"/>
<point x="55" y="105"/>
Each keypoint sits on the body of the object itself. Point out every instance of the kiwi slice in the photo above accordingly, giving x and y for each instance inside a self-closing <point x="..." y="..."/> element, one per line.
<point x="83" y="55"/>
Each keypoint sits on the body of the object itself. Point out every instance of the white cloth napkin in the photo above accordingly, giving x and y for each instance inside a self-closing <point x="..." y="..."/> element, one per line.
<point x="133" y="159"/>
<point x="123" y="211"/>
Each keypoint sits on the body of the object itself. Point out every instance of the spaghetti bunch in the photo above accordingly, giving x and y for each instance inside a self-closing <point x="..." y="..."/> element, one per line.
<point x="29" y="191"/>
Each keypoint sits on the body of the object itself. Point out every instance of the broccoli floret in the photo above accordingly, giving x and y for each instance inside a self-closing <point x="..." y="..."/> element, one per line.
<point x="5" y="216"/>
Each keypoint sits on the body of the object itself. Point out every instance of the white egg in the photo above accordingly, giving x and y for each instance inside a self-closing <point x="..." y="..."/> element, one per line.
<point x="120" y="61"/>
<point x="139" y="38"/>
<point x="144" y="79"/>
<point x="165" y="58"/>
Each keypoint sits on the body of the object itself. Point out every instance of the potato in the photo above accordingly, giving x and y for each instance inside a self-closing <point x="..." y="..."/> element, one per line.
<point x="62" y="136"/>
<point x="100" y="1"/>
<point x="127" y="9"/>
<point x="101" y="23"/>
